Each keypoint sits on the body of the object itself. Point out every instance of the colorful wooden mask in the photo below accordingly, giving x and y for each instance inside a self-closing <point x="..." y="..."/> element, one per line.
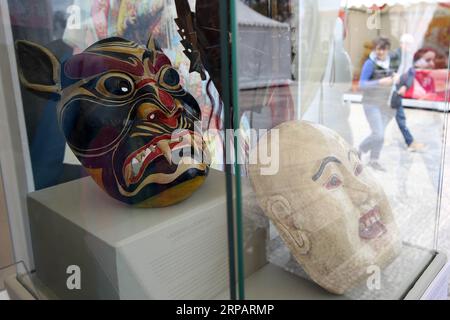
<point x="126" y="117"/>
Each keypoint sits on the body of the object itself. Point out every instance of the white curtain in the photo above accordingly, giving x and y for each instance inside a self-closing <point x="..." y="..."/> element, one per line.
<point x="316" y="25"/>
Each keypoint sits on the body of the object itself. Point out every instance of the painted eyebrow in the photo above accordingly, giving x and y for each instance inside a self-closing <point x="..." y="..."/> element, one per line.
<point x="89" y="64"/>
<point x="323" y="164"/>
<point x="354" y="152"/>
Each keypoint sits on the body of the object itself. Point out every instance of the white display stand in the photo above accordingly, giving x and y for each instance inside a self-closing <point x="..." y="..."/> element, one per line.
<point x="177" y="252"/>
<point x="272" y="282"/>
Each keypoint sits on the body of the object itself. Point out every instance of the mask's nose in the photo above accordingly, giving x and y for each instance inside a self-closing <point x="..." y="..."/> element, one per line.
<point x="148" y="111"/>
<point x="358" y="189"/>
<point x="168" y="105"/>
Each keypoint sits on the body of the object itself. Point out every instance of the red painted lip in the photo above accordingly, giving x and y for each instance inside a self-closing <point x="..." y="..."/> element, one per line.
<point x="370" y="224"/>
<point x="156" y="153"/>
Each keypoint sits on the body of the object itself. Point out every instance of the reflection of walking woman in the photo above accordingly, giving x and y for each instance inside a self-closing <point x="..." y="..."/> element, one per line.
<point x="423" y="59"/>
<point x="377" y="78"/>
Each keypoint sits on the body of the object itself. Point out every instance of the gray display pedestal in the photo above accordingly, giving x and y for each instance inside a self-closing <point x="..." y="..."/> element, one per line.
<point x="169" y="253"/>
<point x="123" y="252"/>
<point x="272" y="282"/>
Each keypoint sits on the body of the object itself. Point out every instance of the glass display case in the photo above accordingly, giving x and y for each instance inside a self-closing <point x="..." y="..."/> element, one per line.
<point x="345" y="161"/>
<point x="244" y="149"/>
<point x="108" y="165"/>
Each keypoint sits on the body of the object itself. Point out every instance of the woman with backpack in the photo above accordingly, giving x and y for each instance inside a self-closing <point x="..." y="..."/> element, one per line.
<point x="423" y="59"/>
<point x="376" y="80"/>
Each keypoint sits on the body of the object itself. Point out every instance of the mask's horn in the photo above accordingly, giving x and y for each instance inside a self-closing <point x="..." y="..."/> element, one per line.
<point x="152" y="44"/>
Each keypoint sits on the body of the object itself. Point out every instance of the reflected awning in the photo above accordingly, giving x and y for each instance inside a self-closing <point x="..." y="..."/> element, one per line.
<point x="246" y="16"/>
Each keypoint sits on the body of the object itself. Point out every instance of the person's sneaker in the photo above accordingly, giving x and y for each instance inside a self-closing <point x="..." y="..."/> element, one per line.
<point x="376" y="165"/>
<point x="416" y="147"/>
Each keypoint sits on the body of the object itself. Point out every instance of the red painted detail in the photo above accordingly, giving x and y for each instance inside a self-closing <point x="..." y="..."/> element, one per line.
<point x="166" y="99"/>
<point x="143" y="82"/>
<point x="171" y="121"/>
<point x="157" y="153"/>
<point x="151" y="67"/>
<point x="161" y="60"/>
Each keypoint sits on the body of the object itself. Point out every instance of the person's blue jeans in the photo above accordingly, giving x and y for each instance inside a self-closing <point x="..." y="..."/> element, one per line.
<point x="401" y="122"/>
<point x="377" y="122"/>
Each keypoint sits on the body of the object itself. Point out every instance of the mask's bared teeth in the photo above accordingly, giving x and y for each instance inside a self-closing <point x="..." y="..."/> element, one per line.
<point x="136" y="165"/>
<point x="163" y="145"/>
<point x="128" y="174"/>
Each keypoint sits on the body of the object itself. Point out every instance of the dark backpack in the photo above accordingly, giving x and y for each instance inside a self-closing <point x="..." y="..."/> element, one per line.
<point x="407" y="79"/>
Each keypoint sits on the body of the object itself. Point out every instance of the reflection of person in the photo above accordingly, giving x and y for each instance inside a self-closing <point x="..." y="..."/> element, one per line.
<point x="98" y="20"/>
<point x="337" y="80"/>
<point x="377" y="78"/>
<point x="405" y="53"/>
<point x="423" y="59"/>
<point x="139" y="18"/>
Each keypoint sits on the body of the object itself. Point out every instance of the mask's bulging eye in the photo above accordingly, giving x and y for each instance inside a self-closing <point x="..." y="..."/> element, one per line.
<point x="169" y="78"/>
<point x="333" y="182"/>
<point x="155" y="116"/>
<point x="117" y="85"/>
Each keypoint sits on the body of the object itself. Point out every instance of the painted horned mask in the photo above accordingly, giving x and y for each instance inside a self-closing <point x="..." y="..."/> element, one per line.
<point x="126" y="117"/>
